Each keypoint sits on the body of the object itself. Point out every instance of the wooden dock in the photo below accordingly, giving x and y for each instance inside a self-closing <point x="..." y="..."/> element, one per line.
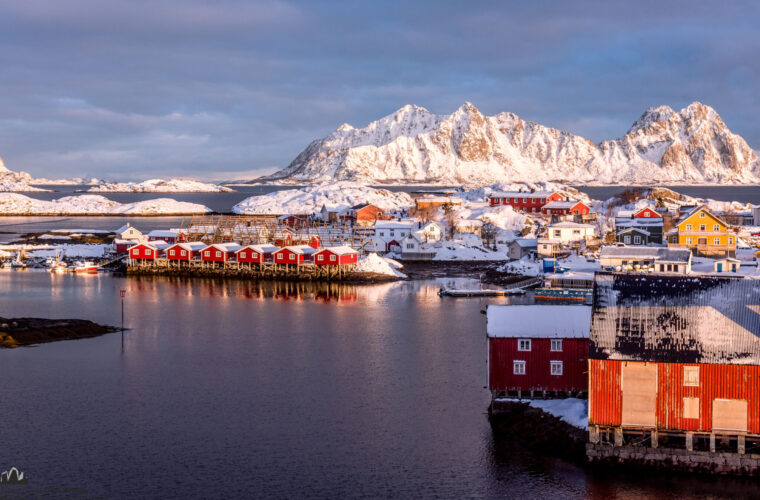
<point x="516" y="289"/>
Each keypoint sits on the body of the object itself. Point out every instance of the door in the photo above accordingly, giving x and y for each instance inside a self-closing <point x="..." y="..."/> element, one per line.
<point x="639" y="385"/>
<point x="702" y="241"/>
<point x="719" y="267"/>
<point x="729" y="415"/>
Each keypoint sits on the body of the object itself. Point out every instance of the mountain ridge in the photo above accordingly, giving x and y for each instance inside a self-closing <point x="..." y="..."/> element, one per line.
<point x="413" y="145"/>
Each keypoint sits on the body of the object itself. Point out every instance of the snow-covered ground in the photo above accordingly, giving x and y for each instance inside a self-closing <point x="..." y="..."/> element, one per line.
<point x="18" y="204"/>
<point x="65" y="250"/>
<point x="469" y="248"/>
<point x="373" y="263"/>
<point x="524" y="266"/>
<point x="160" y="186"/>
<point x="574" y="411"/>
<point x="308" y="200"/>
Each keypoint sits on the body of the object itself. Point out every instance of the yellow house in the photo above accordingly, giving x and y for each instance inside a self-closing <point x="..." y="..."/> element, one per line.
<point x="704" y="233"/>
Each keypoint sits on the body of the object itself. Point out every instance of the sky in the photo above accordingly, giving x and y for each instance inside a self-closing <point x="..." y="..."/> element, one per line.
<point x="128" y="90"/>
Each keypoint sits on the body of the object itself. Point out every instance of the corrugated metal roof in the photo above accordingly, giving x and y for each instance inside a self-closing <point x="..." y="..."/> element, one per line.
<point x="538" y="321"/>
<point x="657" y="253"/>
<point x="682" y="319"/>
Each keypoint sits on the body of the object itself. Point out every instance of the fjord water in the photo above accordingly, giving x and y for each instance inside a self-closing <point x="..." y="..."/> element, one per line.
<point x="272" y="390"/>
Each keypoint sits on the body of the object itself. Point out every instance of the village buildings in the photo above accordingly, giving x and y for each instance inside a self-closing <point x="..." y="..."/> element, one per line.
<point x="657" y="259"/>
<point x="525" y="202"/>
<point x="567" y="232"/>
<point x="639" y="227"/>
<point x="704" y="233"/>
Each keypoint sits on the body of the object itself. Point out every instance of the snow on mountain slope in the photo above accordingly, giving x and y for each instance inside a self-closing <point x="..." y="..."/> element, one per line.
<point x="415" y="146"/>
<point x="18" y="204"/>
<point x="160" y="186"/>
<point x="337" y="195"/>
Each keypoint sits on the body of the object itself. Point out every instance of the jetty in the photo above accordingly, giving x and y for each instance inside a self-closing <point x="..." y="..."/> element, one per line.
<point x="517" y="289"/>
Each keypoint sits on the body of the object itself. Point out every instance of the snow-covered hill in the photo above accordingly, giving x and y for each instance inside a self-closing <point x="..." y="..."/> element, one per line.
<point x="414" y="145"/>
<point x="338" y="195"/>
<point x="160" y="186"/>
<point x="15" y="181"/>
<point x="18" y="204"/>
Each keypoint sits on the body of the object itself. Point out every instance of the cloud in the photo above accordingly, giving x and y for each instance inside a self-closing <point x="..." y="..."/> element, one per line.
<point x="129" y="89"/>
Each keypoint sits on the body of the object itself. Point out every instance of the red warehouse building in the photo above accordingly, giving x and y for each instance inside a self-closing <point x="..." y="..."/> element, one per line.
<point x="675" y="358"/>
<point x="147" y="251"/>
<point x="526" y="202"/>
<point x="566" y="207"/>
<point x="255" y="254"/>
<point x="336" y="256"/>
<point x="219" y="252"/>
<point x="538" y="350"/>
<point x="297" y="254"/>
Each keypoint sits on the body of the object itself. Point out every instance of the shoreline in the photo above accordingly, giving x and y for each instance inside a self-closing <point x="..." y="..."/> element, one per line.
<point x="23" y="332"/>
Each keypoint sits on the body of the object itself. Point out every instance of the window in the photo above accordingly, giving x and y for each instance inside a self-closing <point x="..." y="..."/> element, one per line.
<point x="183" y="253"/>
<point x="730" y="240"/>
<point x="525" y="200"/>
<point x="576" y="231"/>
<point x="207" y="253"/>
<point x="690" y="407"/>
<point x="637" y="240"/>
<point x="626" y="239"/>
<point x="702" y="215"/>
<point x="557" y="233"/>
<point x="691" y="376"/>
<point x="518" y="367"/>
<point x="556" y="367"/>
<point x="292" y="257"/>
<point x="662" y="268"/>
<point x="218" y="253"/>
<point x="148" y="252"/>
<point x="321" y="258"/>
<point x="523" y="345"/>
<point x="688" y="227"/>
<point x="689" y="241"/>
<point x="716" y="241"/>
<point x="410" y="246"/>
<point x="556" y="345"/>
<point x="171" y="252"/>
<point x="716" y="228"/>
<point x="332" y="258"/>
<point x="646" y="213"/>
<point x="702" y="227"/>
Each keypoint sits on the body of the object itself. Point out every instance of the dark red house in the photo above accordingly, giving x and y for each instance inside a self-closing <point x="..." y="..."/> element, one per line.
<point x="538" y="350"/>
<point x="566" y="207"/>
<point x="255" y="254"/>
<point x="185" y="252"/>
<point x="296" y="254"/>
<point x="336" y="256"/>
<point x="145" y="251"/>
<point x="526" y="202"/>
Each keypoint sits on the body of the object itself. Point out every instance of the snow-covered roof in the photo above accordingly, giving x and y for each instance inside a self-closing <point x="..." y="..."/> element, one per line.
<point x="301" y="249"/>
<point x="526" y="242"/>
<point x="191" y="246"/>
<point x="125" y="228"/>
<point x="158" y="233"/>
<point x="641" y="221"/>
<point x="562" y="204"/>
<point x="226" y="247"/>
<point x="633" y="230"/>
<point x="261" y="248"/>
<point x="568" y="224"/>
<point x="394" y="224"/>
<point x="518" y="194"/>
<point x="538" y="321"/>
<point x="340" y="250"/>
<point x="682" y="255"/>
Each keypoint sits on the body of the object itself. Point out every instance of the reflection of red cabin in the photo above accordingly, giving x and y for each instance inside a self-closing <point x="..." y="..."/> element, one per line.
<point x="255" y="254"/>
<point x="336" y="256"/>
<point x="530" y="351"/>
<point x="297" y="254"/>
<point x="567" y="207"/>
<point x="143" y="251"/>
<point x="219" y="252"/>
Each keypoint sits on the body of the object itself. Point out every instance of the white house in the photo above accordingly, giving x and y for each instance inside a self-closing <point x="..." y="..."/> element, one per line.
<point x="522" y="247"/>
<point x="547" y="247"/>
<point x="127" y="232"/>
<point x="429" y="232"/>
<point x="727" y="265"/>
<point x="411" y="244"/>
<point x="376" y="244"/>
<point x="566" y="232"/>
<point x="393" y="230"/>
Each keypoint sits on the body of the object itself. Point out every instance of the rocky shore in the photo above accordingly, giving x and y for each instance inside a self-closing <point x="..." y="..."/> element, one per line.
<point x="17" y="332"/>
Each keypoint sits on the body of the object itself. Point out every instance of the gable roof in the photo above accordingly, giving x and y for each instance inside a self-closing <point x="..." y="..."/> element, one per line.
<point x="339" y="250"/>
<point x="633" y="230"/>
<point x="696" y="210"/>
<point x="538" y="321"/>
<point x="660" y="254"/>
<point x="566" y="204"/>
<point x="260" y="248"/>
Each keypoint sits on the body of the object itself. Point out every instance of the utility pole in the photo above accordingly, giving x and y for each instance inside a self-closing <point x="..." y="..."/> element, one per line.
<point x="122" y="293"/>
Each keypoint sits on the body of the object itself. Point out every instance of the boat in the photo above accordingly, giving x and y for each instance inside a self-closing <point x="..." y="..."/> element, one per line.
<point x="17" y="263"/>
<point x="84" y="266"/>
<point x="574" y="294"/>
<point x="454" y="292"/>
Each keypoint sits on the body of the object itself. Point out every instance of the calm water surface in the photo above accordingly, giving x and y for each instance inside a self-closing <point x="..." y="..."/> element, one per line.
<point x="271" y="390"/>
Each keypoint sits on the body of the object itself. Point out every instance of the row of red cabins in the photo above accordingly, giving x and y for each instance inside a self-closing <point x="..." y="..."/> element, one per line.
<point x="250" y="254"/>
<point x="543" y="202"/>
<point x="660" y="356"/>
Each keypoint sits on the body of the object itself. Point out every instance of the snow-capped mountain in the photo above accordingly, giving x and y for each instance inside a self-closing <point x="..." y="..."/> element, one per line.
<point x="414" y="145"/>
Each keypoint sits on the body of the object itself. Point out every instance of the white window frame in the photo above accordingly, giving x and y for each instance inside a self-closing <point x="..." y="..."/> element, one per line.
<point x="332" y="258"/>
<point x="556" y="368"/>
<point x="716" y="228"/>
<point x="716" y="241"/>
<point x="218" y="253"/>
<point x="292" y="256"/>
<point x="524" y="345"/>
<point x="171" y="252"/>
<point x="321" y="257"/>
<point x="518" y="367"/>
<point x="148" y="251"/>
<point x="207" y="253"/>
<point x="556" y="345"/>
<point x="701" y="215"/>
<point x="691" y="376"/>
<point x="183" y="252"/>
<point x="689" y="227"/>
<point x="637" y="240"/>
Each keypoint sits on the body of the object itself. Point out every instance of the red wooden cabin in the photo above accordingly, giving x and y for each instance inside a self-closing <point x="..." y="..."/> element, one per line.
<point x="526" y="202"/>
<point x="185" y="251"/>
<point x="537" y="350"/>
<point x="144" y="251"/>
<point x="646" y="212"/>
<point x="676" y="355"/>
<point x="297" y="254"/>
<point x="336" y="256"/>
<point x="219" y="252"/>
<point x="255" y="254"/>
<point x="566" y="207"/>
<point x="121" y="246"/>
